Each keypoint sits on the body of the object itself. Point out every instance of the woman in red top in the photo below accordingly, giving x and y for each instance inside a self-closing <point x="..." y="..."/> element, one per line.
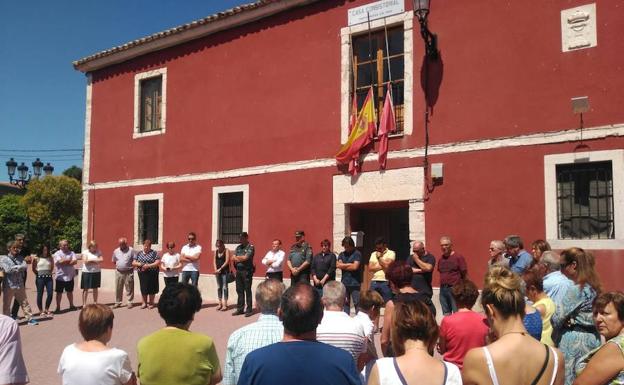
<point x="465" y="329"/>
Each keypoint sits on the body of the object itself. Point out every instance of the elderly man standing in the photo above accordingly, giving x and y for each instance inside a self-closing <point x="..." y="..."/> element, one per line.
<point x="290" y="361"/>
<point x="556" y="284"/>
<point x="452" y="268"/>
<point x="422" y="263"/>
<point x="497" y="256"/>
<point x="267" y="330"/>
<point x="519" y="259"/>
<point x="64" y="261"/>
<point x="337" y="328"/>
<point x="14" y="267"/>
<point x="124" y="274"/>
<point x="300" y="259"/>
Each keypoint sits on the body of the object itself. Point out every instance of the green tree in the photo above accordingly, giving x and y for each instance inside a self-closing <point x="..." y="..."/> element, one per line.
<point x="54" y="206"/>
<point x="74" y="172"/>
<point x="12" y="219"/>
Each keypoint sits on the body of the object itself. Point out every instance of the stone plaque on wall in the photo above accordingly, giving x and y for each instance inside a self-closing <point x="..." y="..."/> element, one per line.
<point x="578" y="28"/>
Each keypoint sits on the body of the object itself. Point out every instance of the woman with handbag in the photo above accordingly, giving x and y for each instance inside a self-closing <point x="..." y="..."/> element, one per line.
<point x="573" y="322"/>
<point x="222" y="273"/>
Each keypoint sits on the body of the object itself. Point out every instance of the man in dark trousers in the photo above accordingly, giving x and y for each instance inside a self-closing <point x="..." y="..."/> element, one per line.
<point x="300" y="259"/>
<point x="243" y="261"/>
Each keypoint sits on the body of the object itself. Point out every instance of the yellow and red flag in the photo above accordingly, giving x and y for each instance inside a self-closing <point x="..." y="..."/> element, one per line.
<point x="361" y="134"/>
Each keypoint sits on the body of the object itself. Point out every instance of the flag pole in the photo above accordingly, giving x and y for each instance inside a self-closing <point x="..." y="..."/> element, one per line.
<point x="388" y="55"/>
<point x="370" y="49"/>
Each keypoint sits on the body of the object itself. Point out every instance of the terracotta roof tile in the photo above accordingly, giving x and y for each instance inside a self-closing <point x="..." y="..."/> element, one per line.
<point x="175" y="30"/>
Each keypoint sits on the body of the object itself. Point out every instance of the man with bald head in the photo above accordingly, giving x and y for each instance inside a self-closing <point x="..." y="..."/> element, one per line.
<point x="300" y="312"/>
<point x="422" y="263"/>
<point x="452" y="268"/>
<point x="124" y="276"/>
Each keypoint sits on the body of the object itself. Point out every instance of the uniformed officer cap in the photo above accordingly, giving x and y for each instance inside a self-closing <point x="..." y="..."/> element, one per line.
<point x="299" y="233"/>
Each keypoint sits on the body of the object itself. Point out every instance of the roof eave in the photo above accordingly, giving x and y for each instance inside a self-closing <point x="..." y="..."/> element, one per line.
<point x="187" y="35"/>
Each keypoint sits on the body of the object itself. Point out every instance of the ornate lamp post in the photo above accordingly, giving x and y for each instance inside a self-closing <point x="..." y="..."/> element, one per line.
<point x="421" y="9"/>
<point x="23" y="176"/>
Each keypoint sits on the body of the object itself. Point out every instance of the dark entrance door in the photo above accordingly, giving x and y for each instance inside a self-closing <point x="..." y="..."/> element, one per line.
<point x="389" y="220"/>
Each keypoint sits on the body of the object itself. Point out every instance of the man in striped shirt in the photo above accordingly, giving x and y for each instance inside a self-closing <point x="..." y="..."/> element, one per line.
<point x="336" y="327"/>
<point x="267" y="330"/>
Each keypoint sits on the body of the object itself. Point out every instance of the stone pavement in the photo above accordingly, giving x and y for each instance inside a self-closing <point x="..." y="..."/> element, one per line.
<point x="43" y="344"/>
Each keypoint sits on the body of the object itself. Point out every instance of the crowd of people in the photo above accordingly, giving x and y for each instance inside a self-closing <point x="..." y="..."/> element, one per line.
<point x="543" y="315"/>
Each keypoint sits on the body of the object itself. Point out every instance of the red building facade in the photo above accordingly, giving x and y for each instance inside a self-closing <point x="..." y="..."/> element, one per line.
<point x="250" y="107"/>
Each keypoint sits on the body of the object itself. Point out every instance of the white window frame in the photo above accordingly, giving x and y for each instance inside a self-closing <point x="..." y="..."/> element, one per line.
<point x="149" y="197"/>
<point x="136" y="133"/>
<point x="550" y="186"/>
<point x="244" y="188"/>
<point x="407" y="19"/>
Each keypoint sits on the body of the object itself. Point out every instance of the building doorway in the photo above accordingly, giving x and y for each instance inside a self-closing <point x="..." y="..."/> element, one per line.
<point x="389" y="220"/>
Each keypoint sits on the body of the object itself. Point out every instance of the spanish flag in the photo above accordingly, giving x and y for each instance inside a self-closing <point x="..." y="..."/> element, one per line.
<point x="360" y="135"/>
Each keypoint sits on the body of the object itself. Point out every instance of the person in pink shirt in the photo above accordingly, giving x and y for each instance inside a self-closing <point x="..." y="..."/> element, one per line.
<point x="465" y="329"/>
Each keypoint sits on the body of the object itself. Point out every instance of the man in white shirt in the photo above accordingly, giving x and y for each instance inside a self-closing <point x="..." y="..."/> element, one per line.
<point x="273" y="260"/>
<point x="64" y="261"/>
<point x="189" y="256"/>
<point x="336" y="327"/>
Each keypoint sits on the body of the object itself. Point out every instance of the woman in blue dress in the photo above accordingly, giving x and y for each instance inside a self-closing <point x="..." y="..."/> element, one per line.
<point x="573" y="322"/>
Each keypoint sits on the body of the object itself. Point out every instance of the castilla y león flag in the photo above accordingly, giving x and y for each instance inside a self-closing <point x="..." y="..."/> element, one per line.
<point x="386" y="125"/>
<point x="361" y="134"/>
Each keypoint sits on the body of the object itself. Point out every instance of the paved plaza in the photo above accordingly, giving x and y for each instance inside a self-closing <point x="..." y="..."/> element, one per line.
<point x="44" y="343"/>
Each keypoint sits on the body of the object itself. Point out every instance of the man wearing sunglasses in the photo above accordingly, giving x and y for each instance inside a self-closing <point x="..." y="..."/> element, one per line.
<point x="189" y="256"/>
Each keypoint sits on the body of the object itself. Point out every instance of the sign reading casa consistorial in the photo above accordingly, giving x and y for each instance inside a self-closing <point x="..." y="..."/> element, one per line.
<point x="375" y="10"/>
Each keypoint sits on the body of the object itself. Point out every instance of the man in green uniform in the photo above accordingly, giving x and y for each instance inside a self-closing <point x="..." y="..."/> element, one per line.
<point x="243" y="261"/>
<point x="300" y="259"/>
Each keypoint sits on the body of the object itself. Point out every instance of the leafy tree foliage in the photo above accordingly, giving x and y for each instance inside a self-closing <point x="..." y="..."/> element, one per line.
<point x="54" y="206"/>
<point x="74" y="172"/>
<point x="12" y="219"/>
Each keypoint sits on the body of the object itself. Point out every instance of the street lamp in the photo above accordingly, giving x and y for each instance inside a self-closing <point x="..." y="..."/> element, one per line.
<point x="421" y="9"/>
<point x="23" y="177"/>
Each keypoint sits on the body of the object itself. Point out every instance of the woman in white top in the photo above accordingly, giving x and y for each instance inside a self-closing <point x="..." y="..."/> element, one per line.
<point x="414" y="333"/>
<point x="42" y="267"/>
<point x="170" y="264"/>
<point x="91" y="276"/>
<point x="515" y="358"/>
<point x="91" y="361"/>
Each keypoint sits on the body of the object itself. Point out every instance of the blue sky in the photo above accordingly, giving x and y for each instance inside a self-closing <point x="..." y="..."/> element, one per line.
<point x="42" y="98"/>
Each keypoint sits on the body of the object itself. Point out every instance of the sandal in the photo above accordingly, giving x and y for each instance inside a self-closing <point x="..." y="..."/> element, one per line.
<point x="219" y="307"/>
<point x="144" y="306"/>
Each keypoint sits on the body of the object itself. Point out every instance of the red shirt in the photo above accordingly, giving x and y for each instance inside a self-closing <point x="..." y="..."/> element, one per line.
<point x="451" y="269"/>
<point x="462" y="331"/>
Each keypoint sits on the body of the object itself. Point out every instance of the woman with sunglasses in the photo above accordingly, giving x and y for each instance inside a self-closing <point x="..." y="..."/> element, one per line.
<point x="573" y="321"/>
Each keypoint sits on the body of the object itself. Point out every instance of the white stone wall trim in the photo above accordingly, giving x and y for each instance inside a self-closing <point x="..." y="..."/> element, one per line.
<point x="550" y="198"/>
<point x="407" y="185"/>
<point x="244" y="188"/>
<point x="408" y="75"/>
<point x="136" y="132"/>
<point x="601" y="132"/>
<point x="86" y="162"/>
<point x="148" y="197"/>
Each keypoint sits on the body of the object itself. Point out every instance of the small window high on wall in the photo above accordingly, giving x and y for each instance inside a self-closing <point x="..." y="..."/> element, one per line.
<point x="378" y="60"/>
<point x="151" y="104"/>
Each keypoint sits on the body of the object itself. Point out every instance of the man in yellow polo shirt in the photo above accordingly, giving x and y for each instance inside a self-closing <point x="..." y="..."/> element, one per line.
<point x="379" y="261"/>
